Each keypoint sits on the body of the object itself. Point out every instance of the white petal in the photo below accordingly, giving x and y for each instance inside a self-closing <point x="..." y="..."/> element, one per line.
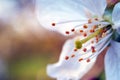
<point x="96" y="6"/>
<point x="112" y="62"/>
<point x="50" y="11"/>
<point x="116" y="16"/>
<point x="71" y="68"/>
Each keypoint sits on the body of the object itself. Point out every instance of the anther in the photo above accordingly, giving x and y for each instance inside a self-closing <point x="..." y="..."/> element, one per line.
<point x="67" y="32"/>
<point x="97" y="32"/>
<point x="85" y="26"/>
<point x="89" y="21"/>
<point x="85" y="34"/>
<point x="95" y="26"/>
<point x="73" y="55"/>
<point x="80" y="59"/>
<point x="81" y="31"/>
<point x="92" y="42"/>
<point x="84" y="49"/>
<point x="88" y="60"/>
<point x="67" y="57"/>
<point x="75" y="49"/>
<point x="53" y="24"/>
<point x="97" y="39"/>
<point x="72" y="30"/>
<point x="93" y="49"/>
<point x="92" y="30"/>
<point x="96" y="19"/>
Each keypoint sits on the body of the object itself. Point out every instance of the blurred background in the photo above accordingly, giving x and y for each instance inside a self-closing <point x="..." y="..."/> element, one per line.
<point x="25" y="47"/>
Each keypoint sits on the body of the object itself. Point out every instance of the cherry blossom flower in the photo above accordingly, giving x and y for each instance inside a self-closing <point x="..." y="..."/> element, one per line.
<point x="92" y="28"/>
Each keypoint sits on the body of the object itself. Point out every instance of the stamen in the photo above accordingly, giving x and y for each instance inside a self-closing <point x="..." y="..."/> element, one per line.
<point x="90" y="21"/>
<point x="88" y="60"/>
<point x="99" y="49"/>
<point x="78" y="43"/>
<point x="80" y="59"/>
<point x="85" y="26"/>
<point x="69" y="21"/>
<point x="85" y="34"/>
<point x="67" y="57"/>
<point x="53" y="24"/>
<point x="96" y="30"/>
<point x="96" y="19"/>
<point x="97" y="39"/>
<point x="95" y="26"/>
<point x="92" y="30"/>
<point x="67" y="32"/>
<point x="92" y="42"/>
<point x="93" y="49"/>
<point x="92" y="35"/>
<point x="85" y="49"/>
<point x="73" y="55"/>
<point x="72" y="30"/>
<point x="81" y="31"/>
<point x="75" y="49"/>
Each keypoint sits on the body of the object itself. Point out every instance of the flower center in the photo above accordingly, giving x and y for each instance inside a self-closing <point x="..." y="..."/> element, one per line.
<point x="78" y="43"/>
<point x="89" y="33"/>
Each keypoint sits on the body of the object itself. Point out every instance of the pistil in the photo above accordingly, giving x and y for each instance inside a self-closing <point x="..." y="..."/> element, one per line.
<point x="78" y="43"/>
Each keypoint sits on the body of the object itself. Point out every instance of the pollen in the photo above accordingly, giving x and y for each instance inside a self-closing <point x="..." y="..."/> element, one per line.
<point x="85" y="49"/>
<point x="93" y="49"/>
<point x="97" y="39"/>
<point x="66" y="57"/>
<point x="85" y="26"/>
<point x="92" y="30"/>
<point x="67" y="32"/>
<point x="72" y="30"/>
<point x="96" y="19"/>
<point x="88" y="60"/>
<point x="53" y="24"/>
<point x="75" y="49"/>
<point x="92" y="42"/>
<point x="80" y="59"/>
<point x="73" y="55"/>
<point x="81" y="31"/>
<point x="95" y="26"/>
<point x="90" y="21"/>
<point x="85" y="34"/>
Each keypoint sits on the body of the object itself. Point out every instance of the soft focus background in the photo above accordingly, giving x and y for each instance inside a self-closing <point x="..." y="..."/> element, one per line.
<point x="25" y="47"/>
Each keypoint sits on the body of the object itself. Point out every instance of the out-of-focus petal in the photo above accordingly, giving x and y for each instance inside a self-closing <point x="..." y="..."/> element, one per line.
<point x="71" y="68"/>
<point x="7" y="8"/>
<point x="55" y="11"/>
<point x="96" y="6"/>
<point x="112" y="62"/>
<point x="118" y="30"/>
<point x="116" y="16"/>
